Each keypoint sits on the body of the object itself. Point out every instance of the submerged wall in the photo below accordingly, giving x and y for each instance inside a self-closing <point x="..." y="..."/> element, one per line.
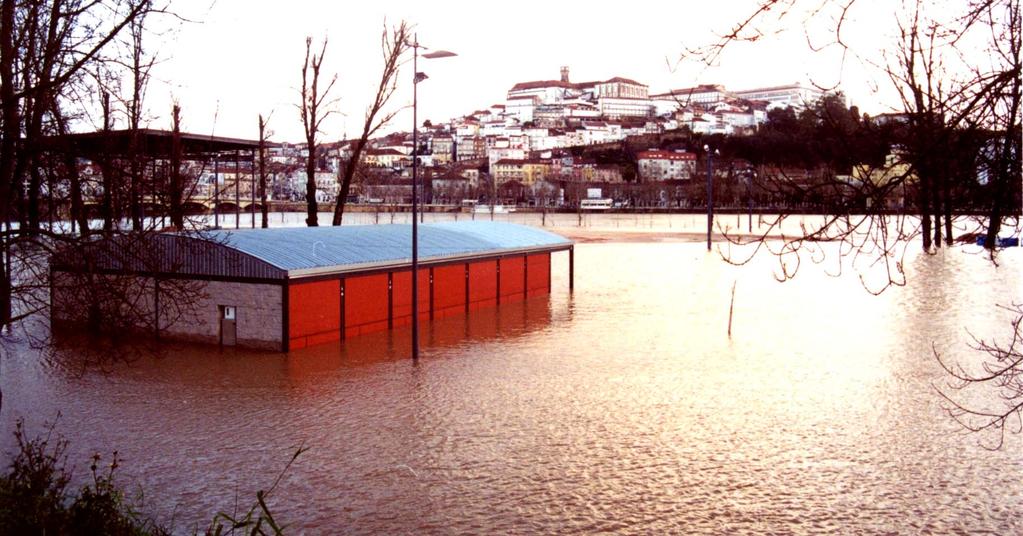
<point x="298" y="314"/>
<point x="180" y="309"/>
<point x="335" y="309"/>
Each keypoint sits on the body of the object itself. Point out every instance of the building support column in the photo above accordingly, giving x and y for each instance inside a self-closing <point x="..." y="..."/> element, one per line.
<point x="285" y="318"/>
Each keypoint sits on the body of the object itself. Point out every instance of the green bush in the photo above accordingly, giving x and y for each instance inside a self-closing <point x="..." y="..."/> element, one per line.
<point x="34" y="498"/>
<point x="34" y="495"/>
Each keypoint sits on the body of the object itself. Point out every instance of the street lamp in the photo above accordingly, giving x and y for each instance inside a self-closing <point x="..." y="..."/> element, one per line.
<point x="417" y="77"/>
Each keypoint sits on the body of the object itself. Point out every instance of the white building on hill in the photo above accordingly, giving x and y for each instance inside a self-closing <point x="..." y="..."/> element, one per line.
<point x="793" y="95"/>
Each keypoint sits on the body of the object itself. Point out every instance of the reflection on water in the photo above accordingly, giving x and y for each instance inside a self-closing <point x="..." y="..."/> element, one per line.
<point x="624" y="407"/>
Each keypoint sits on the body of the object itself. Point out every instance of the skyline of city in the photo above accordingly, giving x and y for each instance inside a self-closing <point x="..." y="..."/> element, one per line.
<point x="250" y="74"/>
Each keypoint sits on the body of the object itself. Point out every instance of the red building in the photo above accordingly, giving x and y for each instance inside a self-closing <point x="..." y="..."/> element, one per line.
<point x="288" y="288"/>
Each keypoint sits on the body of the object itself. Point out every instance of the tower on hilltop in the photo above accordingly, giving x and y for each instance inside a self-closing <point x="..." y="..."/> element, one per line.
<point x="564" y="74"/>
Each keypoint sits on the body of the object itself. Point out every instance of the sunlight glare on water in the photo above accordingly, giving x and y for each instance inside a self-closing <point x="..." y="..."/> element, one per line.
<point x="623" y="407"/>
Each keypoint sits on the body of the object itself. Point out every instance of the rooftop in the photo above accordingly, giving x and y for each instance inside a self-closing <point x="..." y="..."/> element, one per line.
<point x="297" y="252"/>
<point x="619" y="79"/>
<point x="302" y="250"/>
<point x="148" y="141"/>
<point x="788" y="87"/>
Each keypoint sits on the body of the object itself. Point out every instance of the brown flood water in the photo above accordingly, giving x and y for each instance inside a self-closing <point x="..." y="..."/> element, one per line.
<point x="621" y="408"/>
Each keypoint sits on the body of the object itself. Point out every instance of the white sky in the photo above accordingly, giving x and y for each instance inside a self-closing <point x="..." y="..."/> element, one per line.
<point x="244" y="57"/>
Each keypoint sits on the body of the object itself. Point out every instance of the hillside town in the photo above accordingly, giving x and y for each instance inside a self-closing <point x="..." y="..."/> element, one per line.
<point x="660" y="268"/>
<point x="547" y="144"/>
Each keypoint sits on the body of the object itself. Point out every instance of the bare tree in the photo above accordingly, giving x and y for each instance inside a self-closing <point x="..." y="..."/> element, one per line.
<point x="314" y="108"/>
<point x="1000" y="374"/>
<point x="393" y="43"/>
<point x="70" y="170"/>
<point x="110" y="198"/>
<point x="263" y="172"/>
<point x="175" y="184"/>
<point x="43" y="85"/>
<point x="139" y="68"/>
<point x="962" y="119"/>
<point x="44" y="46"/>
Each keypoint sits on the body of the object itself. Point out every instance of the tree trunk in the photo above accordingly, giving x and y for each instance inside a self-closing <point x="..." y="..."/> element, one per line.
<point x="946" y="195"/>
<point x="11" y="122"/>
<point x="78" y="214"/>
<point x="936" y="207"/>
<point x="310" y="188"/>
<point x="134" y="189"/>
<point x="35" y="181"/>
<point x="1006" y="159"/>
<point x="346" y="180"/>
<point x="107" y="202"/>
<point x="313" y="115"/>
<point x="177" y="212"/>
<point x="264" y="209"/>
<point x="925" y="209"/>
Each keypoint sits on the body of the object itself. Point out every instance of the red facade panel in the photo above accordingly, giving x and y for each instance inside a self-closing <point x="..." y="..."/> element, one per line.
<point x="448" y="290"/>
<point x="512" y="271"/>
<point x="402" y="296"/>
<point x="314" y="311"/>
<point x="539" y="273"/>
<point x="482" y="284"/>
<point x="365" y="304"/>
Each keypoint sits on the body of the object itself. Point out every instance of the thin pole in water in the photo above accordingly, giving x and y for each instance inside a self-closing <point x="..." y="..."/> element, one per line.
<point x="710" y="193"/>
<point x="571" y="268"/>
<point x="731" y="307"/>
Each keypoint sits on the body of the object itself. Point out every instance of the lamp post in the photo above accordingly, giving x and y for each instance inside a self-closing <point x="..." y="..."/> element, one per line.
<point x="417" y="77"/>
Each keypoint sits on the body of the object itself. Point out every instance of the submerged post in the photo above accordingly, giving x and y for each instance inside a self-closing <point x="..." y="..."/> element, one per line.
<point x="571" y="268"/>
<point x="710" y="193"/>
<point x="750" y="175"/>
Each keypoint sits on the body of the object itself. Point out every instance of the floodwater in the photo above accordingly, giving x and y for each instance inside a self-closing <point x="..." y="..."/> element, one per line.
<point x="624" y="407"/>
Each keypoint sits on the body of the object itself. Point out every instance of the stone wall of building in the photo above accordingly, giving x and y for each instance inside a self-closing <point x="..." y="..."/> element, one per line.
<point x="189" y="310"/>
<point x="259" y="315"/>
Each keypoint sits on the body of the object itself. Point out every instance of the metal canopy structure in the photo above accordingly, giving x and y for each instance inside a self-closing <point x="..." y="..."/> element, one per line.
<point x="150" y="142"/>
<point x="150" y="147"/>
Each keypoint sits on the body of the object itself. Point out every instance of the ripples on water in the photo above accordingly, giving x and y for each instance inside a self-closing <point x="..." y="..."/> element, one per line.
<point x="622" y="408"/>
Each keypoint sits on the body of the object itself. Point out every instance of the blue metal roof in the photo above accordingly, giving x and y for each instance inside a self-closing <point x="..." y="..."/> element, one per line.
<point x="308" y="250"/>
